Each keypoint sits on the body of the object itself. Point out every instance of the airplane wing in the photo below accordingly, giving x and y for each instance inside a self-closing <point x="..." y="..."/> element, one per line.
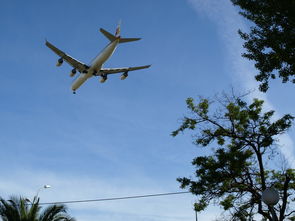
<point x="70" y="60"/>
<point x="119" y="70"/>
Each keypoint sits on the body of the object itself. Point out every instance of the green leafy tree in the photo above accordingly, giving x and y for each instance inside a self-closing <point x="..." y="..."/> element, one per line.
<point x="243" y="138"/>
<point x="20" y="209"/>
<point x="271" y="41"/>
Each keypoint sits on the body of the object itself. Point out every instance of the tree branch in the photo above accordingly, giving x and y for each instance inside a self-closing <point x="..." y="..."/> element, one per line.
<point x="290" y="213"/>
<point x="285" y="197"/>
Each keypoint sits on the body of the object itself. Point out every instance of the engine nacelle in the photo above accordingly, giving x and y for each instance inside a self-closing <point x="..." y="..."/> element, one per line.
<point x="59" y="62"/>
<point x="73" y="72"/>
<point x="124" y="75"/>
<point x="103" y="78"/>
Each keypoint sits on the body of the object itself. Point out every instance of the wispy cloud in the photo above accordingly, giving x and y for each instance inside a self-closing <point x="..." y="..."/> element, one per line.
<point x="70" y="187"/>
<point x="225" y="16"/>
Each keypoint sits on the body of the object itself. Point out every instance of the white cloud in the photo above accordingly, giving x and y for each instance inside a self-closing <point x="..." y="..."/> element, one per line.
<point x="226" y="17"/>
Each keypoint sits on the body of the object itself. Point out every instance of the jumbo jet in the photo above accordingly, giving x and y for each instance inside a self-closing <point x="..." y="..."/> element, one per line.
<point x="95" y="68"/>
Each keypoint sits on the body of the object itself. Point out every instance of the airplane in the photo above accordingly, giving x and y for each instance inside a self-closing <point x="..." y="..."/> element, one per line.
<point x="95" y="68"/>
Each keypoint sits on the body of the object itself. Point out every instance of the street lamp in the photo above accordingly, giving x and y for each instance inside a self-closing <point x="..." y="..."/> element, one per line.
<point x="271" y="197"/>
<point x="37" y="193"/>
<point x="41" y="188"/>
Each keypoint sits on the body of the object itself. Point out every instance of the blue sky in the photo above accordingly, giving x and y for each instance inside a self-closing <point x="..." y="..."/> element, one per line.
<point x="113" y="139"/>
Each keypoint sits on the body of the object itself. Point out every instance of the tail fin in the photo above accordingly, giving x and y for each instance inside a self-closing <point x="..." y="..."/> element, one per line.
<point x="118" y="29"/>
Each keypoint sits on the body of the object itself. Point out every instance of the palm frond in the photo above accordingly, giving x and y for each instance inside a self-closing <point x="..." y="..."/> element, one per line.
<point x="17" y="209"/>
<point x="55" y="213"/>
<point x="9" y="209"/>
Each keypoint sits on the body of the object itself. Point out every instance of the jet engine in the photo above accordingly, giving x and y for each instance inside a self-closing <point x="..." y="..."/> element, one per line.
<point x="103" y="78"/>
<point x="59" y="62"/>
<point x="124" y="75"/>
<point x="73" y="72"/>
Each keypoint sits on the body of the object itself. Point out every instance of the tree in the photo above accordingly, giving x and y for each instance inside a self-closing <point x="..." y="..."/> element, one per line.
<point x="271" y="42"/>
<point x="19" y="209"/>
<point x="237" y="172"/>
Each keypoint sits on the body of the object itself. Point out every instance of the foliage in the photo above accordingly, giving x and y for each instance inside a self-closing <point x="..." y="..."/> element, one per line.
<point x="21" y="209"/>
<point x="235" y="174"/>
<point x="271" y="42"/>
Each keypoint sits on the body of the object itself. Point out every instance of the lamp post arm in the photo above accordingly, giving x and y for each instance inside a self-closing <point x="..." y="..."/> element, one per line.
<point x="38" y="191"/>
<point x="36" y="197"/>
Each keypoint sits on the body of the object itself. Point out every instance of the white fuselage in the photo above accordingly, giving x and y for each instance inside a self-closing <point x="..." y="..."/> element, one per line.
<point x="96" y="64"/>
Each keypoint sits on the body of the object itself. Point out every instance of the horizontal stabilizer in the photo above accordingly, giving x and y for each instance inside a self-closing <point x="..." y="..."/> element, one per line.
<point x="123" y="40"/>
<point x="110" y="36"/>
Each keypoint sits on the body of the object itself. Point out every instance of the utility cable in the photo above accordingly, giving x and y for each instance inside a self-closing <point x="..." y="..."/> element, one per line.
<point x="115" y="198"/>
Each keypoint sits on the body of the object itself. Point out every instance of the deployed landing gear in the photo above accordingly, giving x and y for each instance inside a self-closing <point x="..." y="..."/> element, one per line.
<point x="124" y="75"/>
<point x="103" y="78"/>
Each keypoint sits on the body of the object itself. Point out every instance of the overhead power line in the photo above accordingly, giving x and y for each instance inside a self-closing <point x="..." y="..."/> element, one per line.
<point x="115" y="198"/>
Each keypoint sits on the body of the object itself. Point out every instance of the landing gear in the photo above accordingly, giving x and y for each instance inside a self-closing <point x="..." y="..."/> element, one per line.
<point x="74" y="92"/>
